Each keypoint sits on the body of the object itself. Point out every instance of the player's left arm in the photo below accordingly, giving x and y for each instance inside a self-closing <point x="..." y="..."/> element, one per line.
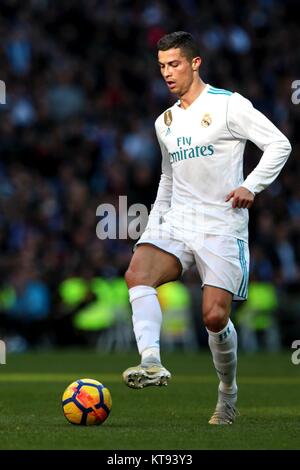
<point x="241" y="198"/>
<point x="246" y="122"/>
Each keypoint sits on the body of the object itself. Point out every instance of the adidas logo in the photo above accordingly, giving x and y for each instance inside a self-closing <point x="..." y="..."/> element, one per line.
<point x="224" y="335"/>
<point x="168" y="131"/>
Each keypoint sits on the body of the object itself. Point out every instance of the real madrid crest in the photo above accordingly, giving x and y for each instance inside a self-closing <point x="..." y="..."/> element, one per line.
<point x="206" y="120"/>
<point x="168" y="118"/>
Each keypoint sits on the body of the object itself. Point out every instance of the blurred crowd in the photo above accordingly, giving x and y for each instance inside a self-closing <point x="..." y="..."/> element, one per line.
<point x="83" y="89"/>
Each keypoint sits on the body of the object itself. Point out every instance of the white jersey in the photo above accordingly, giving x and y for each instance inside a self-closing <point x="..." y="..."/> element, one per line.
<point x="202" y="161"/>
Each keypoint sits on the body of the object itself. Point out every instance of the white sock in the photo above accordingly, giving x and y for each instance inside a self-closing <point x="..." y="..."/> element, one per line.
<point x="146" y="318"/>
<point x="151" y="352"/>
<point x="223" y="346"/>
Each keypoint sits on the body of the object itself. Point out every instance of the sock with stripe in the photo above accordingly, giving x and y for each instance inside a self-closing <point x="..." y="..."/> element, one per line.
<point x="147" y="319"/>
<point x="223" y="346"/>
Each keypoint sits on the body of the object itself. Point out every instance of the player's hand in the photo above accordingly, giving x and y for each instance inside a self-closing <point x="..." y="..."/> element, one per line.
<point x="241" y="198"/>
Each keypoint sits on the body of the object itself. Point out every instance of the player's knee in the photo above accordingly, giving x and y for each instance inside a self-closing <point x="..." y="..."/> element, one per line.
<point x="215" y="317"/>
<point x="137" y="278"/>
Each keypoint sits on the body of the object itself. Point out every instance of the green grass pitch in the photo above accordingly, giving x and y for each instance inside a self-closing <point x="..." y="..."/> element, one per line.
<point x="173" y="417"/>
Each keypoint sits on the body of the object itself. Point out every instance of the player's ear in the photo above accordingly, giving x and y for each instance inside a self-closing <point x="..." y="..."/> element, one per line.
<point x="196" y="62"/>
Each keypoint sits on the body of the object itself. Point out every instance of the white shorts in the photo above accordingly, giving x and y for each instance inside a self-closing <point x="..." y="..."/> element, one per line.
<point x="222" y="261"/>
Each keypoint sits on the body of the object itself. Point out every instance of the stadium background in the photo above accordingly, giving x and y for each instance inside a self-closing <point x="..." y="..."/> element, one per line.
<point x="83" y="91"/>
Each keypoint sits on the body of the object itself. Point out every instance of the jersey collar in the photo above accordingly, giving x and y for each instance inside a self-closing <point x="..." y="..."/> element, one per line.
<point x="196" y="100"/>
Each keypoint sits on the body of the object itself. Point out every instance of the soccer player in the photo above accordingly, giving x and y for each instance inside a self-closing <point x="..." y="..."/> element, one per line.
<point x="200" y="214"/>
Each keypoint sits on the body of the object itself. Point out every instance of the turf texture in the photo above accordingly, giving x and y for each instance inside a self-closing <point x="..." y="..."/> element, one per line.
<point x="173" y="417"/>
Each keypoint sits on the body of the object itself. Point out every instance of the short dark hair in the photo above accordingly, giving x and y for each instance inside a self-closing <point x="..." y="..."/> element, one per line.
<point x="179" y="40"/>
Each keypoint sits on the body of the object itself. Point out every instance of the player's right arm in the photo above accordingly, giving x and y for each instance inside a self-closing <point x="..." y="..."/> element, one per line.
<point x="164" y="193"/>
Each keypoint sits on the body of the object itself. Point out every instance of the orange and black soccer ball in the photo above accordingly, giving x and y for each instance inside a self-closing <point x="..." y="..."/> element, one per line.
<point x="86" y="402"/>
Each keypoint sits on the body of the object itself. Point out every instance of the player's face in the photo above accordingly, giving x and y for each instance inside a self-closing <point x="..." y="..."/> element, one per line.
<point x="177" y="71"/>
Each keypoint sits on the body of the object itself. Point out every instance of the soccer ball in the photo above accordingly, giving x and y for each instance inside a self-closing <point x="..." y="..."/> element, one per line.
<point x="86" y="402"/>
